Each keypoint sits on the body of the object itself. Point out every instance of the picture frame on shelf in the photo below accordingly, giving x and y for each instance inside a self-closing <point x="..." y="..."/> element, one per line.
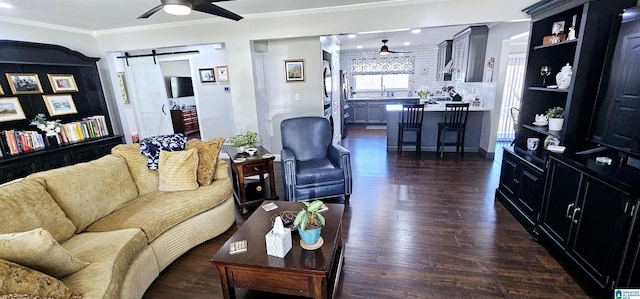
<point x="294" y="70"/>
<point x="60" y="104"/>
<point x="62" y="83"/>
<point x="222" y="73"/>
<point x="207" y="75"/>
<point x="557" y="28"/>
<point x="10" y="109"/>
<point x="24" y="83"/>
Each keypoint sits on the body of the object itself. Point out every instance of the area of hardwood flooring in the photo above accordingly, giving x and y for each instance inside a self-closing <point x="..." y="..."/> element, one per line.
<point x="426" y="228"/>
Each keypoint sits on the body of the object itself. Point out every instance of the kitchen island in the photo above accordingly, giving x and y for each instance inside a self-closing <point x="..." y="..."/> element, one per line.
<point x="432" y="116"/>
<point x="372" y="110"/>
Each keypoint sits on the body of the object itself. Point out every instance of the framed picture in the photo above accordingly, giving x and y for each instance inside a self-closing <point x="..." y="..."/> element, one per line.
<point x="60" y="104"/>
<point x="222" y="73"/>
<point x="207" y="75"/>
<point x="24" y="83"/>
<point x="558" y="27"/>
<point x="294" y="70"/>
<point x="62" y="82"/>
<point x="10" y="109"/>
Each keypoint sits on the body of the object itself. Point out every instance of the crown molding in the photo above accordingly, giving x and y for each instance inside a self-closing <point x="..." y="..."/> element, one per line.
<point x="45" y="25"/>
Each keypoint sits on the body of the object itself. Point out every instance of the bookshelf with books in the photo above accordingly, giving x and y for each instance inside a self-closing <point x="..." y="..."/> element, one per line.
<point x="64" y="87"/>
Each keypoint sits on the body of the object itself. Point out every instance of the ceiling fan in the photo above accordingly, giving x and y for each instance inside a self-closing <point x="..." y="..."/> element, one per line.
<point x="384" y="50"/>
<point x="184" y="7"/>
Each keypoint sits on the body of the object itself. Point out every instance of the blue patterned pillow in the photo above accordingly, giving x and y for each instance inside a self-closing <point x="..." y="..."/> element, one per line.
<point x="151" y="147"/>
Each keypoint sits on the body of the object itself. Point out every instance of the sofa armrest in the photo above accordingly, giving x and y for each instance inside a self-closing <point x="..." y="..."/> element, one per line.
<point x="288" y="161"/>
<point x="222" y="169"/>
<point x="342" y="157"/>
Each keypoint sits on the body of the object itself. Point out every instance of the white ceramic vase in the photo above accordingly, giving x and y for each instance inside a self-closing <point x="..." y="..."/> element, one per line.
<point x="563" y="78"/>
<point x="555" y="124"/>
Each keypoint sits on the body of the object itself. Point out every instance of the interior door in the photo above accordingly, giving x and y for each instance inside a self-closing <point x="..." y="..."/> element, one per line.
<point x="151" y="100"/>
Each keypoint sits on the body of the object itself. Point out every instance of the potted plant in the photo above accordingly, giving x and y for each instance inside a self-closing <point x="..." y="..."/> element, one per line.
<point x="309" y="223"/>
<point x="556" y="118"/>
<point x="242" y="141"/>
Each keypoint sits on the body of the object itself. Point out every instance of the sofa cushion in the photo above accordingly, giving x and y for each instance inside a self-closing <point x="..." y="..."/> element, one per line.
<point x="110" y="254"/>
<point x="151" y="147"/>
<point x="178" y="170"/>
<point x="159" y="211"/>
<point x="18" y="279"/>
<point x="317" y="171"/>
<point x="146" y="179"/>
<point x="36" y="249"/>
<point x="88" y="191"/>
<point x="25" y="204"/>
<point x="208" y="152"/>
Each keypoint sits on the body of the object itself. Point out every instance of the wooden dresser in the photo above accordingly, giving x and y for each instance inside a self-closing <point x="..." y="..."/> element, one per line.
<point x="185" y="120"/>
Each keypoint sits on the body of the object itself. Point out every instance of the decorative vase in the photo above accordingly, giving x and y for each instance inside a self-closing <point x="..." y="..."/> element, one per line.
<point x="310" y="236"/>
<point x="563" y="78"/>
<point x="52" y="138"/>
<point x="555" y="124"/>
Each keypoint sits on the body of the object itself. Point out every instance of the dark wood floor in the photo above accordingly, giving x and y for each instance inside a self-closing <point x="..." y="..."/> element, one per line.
<point x="425" y="228"/>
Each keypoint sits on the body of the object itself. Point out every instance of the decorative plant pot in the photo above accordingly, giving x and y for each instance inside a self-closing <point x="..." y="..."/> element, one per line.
<point x="311" y="238"/>
<point x="555" y="124"/>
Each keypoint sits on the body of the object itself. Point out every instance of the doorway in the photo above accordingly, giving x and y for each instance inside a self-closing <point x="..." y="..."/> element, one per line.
<point x="511" y="97"/>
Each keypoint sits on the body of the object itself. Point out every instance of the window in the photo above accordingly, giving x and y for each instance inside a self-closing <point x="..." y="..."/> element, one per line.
<point x="376" y="82"/>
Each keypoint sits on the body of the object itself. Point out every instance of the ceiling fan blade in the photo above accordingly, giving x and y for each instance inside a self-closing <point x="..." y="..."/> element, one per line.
<point x="207" y="7"/>
<point x="150" y="12"/>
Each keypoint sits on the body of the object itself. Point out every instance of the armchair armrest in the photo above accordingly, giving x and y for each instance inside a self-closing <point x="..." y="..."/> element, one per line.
<point x="342" y="157"/>
<point x="288" y="161"/>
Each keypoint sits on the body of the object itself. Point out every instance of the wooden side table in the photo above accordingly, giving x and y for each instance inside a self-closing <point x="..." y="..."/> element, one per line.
<point x="248" y="192"/>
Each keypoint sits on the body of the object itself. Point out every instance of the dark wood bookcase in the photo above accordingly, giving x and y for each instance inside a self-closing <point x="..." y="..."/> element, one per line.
<point x="43" y="59"/>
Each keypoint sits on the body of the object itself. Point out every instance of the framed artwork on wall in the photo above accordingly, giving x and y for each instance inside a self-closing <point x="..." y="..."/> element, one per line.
<point x="123" y="88"/>
<point x="294" y="70"/>
<point x="10" y="109"/>
<point x="222" y="72"/>
<point x="62" y="83"/>
<point x="60" y="104"/>
<point x="207" y="75"/>
<point x="24" y="83"/>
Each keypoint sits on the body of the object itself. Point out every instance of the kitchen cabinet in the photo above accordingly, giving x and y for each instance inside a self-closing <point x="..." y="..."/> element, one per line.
<point x="589" y="220"/>
<point x="445" y="50"/>
<point x="359" y="115"/>
<point x="469" y="47"/>
<point x="520" y="189"/>
<point x="372" y="111"/>
<point x="377" y="112"/>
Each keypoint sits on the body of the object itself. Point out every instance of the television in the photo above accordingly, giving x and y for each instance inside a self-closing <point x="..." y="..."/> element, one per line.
<point x="180" y="87"/>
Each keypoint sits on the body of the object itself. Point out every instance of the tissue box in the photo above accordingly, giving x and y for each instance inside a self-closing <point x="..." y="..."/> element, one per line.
<point x="278" y="244"/>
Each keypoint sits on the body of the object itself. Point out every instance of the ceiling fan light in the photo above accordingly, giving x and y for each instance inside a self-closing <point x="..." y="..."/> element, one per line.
<point x="384" y="50"/>
<point x="177" y="9"/>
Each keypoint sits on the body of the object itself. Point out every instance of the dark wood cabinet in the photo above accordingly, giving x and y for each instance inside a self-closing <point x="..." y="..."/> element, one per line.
<point x="589" y="220"/>
<point x="520" y="189"/>
<point x="185" y="120"/>
<point x="468" y="50"/>
<point x="445" y="50"/>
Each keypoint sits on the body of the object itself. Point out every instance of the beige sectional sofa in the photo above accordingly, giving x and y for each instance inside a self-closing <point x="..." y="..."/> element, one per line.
<point x="113" y="222"/>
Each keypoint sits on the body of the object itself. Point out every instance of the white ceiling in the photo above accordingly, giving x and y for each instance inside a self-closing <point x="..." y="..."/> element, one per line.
<point x="96" y="15"/>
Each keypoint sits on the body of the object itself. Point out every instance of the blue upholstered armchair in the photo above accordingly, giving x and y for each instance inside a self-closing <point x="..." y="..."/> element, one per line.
<point x="312" y="167"/>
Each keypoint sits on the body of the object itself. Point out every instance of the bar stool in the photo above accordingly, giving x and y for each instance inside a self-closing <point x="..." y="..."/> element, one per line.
<point x="411" y="120"/>
<point x="455" y="120"/>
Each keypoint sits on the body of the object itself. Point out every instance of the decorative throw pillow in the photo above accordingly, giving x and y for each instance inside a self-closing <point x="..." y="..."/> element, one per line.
<point x="36" y="249"/>
<point x="177" y="170"/>
<point x="151" y="147"/>
<point x="208" y="152"/>
<point x="17" y="281"/>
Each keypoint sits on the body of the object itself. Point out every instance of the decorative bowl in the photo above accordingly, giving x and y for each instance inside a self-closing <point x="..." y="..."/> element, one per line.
<point x="251" y="151"/>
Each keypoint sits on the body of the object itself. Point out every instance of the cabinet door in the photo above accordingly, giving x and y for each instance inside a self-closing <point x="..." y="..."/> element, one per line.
<point x="528" y="198"/>
<point x="360" y="112"/>
<point x="508" y="175"/>
<point x="350" y="113"/>
<point x="460" y="57"/>
<point x="601" y="225"/>
<point x="377" y="114"/>
<point x="15" y="170"/>
<point x="563" y="184"/>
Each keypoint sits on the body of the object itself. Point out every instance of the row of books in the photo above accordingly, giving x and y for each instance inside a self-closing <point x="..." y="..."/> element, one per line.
<point x="13" y="142"/>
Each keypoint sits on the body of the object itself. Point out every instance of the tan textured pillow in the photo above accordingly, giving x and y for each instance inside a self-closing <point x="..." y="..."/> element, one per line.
<point x="36" y="249"/>
<point x="208" y="152"/>
<point x="146" y="179"/>
<point x="18" y="279"/>
<point x="177" y="170"/>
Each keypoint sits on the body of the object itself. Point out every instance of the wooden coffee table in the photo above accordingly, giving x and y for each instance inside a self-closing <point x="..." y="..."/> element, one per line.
<point x="301" y="272"/>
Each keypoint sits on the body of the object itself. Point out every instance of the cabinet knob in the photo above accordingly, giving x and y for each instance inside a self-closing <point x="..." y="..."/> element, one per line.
<point x="516" y="181"/>
<point x="255" y="168"/>
<point x="576" y="210"/>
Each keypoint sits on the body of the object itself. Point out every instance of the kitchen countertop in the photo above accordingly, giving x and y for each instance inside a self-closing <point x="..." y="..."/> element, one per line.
<point x="383" y="98"/>
<point x="435" y="107"/>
